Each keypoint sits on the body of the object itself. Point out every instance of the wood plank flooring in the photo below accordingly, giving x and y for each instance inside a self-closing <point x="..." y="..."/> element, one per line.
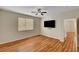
<point x="69" y="44"/>
<point x="78" y="49"/>
<point x="37" y="43"/>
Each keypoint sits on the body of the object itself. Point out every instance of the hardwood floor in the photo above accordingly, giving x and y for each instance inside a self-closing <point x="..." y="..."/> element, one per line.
<point x="78" y="49"/>
<point x="69" y="44"/>
<point x="37" y="43"/>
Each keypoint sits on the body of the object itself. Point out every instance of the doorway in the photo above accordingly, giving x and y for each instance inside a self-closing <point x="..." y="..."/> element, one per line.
<point x="70" y="25"/>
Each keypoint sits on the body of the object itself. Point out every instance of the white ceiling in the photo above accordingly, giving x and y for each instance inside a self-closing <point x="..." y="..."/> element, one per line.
<point x="51" y="10"/>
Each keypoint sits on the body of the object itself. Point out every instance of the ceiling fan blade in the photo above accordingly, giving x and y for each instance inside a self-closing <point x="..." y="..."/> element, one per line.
<point x="39" y="10"/>
<point x="43" y="12"/>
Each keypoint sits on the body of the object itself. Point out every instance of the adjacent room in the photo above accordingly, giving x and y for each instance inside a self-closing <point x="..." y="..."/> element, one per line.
<point x="39" y="29"/>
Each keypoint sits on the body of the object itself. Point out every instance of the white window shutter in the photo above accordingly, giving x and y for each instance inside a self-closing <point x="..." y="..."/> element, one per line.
<point x="25" y="24"/>
<point x="29" y="24"/>
<point x="21" y="24"/>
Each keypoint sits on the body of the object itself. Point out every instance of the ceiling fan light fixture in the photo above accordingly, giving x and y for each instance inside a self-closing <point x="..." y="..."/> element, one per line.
<point x="39" y="11"/>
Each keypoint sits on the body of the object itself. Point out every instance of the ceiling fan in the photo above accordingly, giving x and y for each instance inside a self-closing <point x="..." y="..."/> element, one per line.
<point x="39" y="11"/>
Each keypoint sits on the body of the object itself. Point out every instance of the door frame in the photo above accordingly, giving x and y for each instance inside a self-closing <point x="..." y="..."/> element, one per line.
<point x="75" y="21"/>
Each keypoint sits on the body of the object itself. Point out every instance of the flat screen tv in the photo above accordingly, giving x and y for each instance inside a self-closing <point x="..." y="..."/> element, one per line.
<point x="50" y="23"/>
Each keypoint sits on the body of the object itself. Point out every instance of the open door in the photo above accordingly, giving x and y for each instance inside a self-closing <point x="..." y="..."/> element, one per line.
<point x="70" y="25"/>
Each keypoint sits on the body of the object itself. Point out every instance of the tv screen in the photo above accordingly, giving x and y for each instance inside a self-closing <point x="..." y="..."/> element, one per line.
<point x="50" y="23"/>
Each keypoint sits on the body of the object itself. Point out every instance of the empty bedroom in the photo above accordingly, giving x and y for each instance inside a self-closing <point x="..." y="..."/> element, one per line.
<point x="39" y="28"/>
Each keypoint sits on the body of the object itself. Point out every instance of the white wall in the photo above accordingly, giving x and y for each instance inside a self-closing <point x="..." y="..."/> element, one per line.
<point x="9" y="27"/>
<point x="58" y="32"/>
<point x="53" y="32"/>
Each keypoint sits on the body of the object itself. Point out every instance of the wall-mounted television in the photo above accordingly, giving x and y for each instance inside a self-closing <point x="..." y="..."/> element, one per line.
<point x="50" y="24"/>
